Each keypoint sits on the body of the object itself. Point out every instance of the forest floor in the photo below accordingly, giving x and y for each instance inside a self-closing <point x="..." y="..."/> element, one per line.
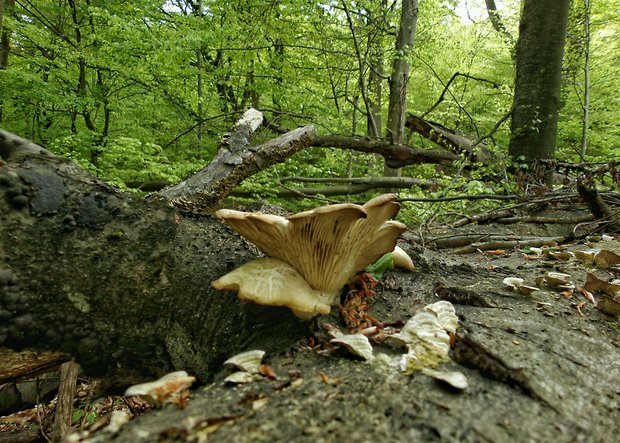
<point x="540" y="367"/>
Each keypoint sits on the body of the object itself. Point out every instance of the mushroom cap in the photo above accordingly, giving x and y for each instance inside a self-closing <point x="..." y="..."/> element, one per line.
<point x="326" y="245"/>
<point x="269" y="281"/>
<point x="402" y="259"/>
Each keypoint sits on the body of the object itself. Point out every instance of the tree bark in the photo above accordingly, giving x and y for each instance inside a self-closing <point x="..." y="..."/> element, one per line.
<point x="5" y="42"/>
<point x="399" y="79"/>
<point x="120" y="283"/>
<point x="586" y="79"/>
<point x="540" y="48"/>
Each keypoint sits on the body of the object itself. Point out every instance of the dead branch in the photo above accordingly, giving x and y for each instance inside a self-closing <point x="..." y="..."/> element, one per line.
<point x="328" y="191"/>
<point x="546" y="220"/>
<point x="395" y="155"/>
<point x="449" y="139"/>
<point x="510" y="244"/>
<point x="235" y="162"/>
<point x="484" y="217"/>
<point x="460" y="197"/>
<point x="458" y="240"/>
<point x="375" y="181"/>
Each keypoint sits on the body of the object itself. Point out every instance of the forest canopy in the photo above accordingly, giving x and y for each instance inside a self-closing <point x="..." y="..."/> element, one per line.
<point x="142" y="91"/>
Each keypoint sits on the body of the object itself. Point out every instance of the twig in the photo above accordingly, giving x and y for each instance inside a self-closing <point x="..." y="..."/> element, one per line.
<point x="447" y="85"/>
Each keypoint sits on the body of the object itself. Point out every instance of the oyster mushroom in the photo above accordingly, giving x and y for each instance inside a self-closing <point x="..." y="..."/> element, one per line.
<point x="323" y="247"/>
<point x="269" y="281"/>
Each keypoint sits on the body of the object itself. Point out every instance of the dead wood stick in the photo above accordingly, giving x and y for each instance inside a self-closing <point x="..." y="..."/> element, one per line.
<point x="64" y="405"/>
<point x="484" y="217"/>
<point x="460" y="197"/>
<point x="234" y="162"/>
<point x="488" y="246"/>
<point x="594" y="201"/>
<point x="550" y="220"/>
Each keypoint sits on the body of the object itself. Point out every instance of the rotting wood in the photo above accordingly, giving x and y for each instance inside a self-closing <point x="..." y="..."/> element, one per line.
<point x="449" y="139"/>
<point x="18" y="366"/>
<point x="510" y="244"/>
<point x="205" y="190"/>
<point x="66" y="394"/>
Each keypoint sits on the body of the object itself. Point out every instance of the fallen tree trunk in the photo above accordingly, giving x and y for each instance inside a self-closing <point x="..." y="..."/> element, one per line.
<point x="120" y="283"/>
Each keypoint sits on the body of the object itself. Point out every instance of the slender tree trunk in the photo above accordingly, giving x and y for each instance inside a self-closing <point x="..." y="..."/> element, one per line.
<point x="361" y="66"/>
<point x="397" y="108"/>
<point x="5" y="42"/>
<point x="376" y="77"/>
<point x="586" y="80"/>
<point x="199" y="87"/>
<point x="540" y="50"/>
<point x="498" y="25"/>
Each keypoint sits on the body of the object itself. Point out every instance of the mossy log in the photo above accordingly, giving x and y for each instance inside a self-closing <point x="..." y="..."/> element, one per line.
<point x="121" y="283"/>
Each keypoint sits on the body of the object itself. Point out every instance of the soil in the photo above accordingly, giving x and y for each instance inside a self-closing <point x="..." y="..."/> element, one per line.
<point x="541" y="367"/>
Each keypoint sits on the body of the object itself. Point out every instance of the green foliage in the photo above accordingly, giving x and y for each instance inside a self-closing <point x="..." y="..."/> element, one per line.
<point x="114" y="85"/>
<point x="378" y="268"/>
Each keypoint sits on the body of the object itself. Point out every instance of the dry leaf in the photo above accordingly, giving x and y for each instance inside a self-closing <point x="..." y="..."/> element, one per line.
<point x="609" y="305"/>
<point x="328" y="380"/>
<point x="267" y="371"/>
<point x="595" y="284"/>
<point x="606" y="259"/>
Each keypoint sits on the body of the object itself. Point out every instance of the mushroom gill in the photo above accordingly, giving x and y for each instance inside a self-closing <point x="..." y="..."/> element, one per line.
<point x="326" y="246"/>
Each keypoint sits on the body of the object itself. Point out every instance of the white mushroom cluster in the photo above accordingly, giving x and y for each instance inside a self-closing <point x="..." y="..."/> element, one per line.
<point x="312" y="254"/>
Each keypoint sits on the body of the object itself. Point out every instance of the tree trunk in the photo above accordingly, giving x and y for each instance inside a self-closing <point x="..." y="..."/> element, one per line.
<point x="199" y="81"/>
<point x="120" y="283"/>
<point x="5" y="42"/>
<point x="540" y="49"/>
<point x="586" y="80"/>
<point x="399" y="79"/>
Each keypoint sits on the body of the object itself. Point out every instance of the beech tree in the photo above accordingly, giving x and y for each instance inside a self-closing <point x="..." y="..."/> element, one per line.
<point x="540" y="49"/>
<point x="399" y="80"/>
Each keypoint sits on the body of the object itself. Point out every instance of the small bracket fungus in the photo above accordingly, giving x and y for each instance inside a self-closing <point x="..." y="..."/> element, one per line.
<point x="323" y="248"/>
<point x="248" y="361"/>
<point x="168" y="388"/>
